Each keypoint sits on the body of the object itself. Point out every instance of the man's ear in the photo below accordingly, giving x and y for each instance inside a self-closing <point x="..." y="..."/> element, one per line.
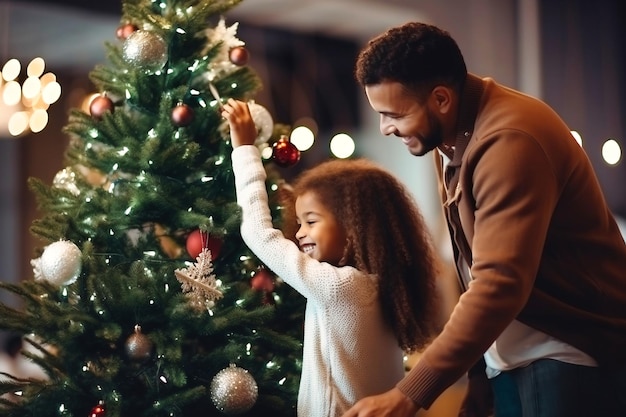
<point x="441" y="97"/>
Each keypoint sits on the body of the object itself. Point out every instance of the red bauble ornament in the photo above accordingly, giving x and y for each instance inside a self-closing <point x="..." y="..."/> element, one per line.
<point x="100" y="105"/>
<point x="285" y="153"/>
<point x="238" y="55"/>
<point x="182" y="115"/>
<point x="262" y="280"/>
<point x="197" y="240"/>
<point x="124" y="31"/>
<point x="98" y="411"/>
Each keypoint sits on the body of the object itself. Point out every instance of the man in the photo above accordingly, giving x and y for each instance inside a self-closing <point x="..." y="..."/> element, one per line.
<point x="540" y="327"/>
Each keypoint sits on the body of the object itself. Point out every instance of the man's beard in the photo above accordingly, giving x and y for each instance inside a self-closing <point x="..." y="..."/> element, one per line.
<point x="432" y="140"/>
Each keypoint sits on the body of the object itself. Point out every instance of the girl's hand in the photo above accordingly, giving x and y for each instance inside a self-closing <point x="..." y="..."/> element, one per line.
<point x="242" y="127"/>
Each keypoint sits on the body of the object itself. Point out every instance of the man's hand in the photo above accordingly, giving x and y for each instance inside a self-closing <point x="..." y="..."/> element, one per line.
<point x="242" y="127"/>
<point x="392" y="403"/>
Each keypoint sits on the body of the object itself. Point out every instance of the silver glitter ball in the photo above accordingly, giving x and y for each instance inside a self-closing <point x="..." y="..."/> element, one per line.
<point x="234" y="390"/>
<point x="146" y="50"/>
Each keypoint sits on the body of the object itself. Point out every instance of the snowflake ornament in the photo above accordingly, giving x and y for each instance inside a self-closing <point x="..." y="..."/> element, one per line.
<point x="226" y="35"/>
<point x="198" y="282"/>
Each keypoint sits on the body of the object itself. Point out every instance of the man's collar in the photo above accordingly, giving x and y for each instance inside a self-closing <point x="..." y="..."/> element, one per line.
<point x="468" y="108"/>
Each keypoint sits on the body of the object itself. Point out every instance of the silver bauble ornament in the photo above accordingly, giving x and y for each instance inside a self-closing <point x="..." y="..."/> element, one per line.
<point x="61" y="263"/>
<point x="139" y="346"/>
<point x="263" y="122"/>
<point x="234" y="390"/>
<point x="145" y="50"/>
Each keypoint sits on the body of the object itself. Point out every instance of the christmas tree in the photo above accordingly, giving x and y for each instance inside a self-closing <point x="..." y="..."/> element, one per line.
<point x="144" y="300"/>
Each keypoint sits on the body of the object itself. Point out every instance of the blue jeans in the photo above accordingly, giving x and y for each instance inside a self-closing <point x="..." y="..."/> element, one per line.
<point x="549" y="388"/>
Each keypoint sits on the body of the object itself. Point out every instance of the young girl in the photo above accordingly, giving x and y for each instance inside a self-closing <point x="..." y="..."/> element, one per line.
<point x="363" y="261"/>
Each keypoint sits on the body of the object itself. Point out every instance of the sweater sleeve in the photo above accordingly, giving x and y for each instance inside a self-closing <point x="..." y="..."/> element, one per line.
<point x="306" y="275"/>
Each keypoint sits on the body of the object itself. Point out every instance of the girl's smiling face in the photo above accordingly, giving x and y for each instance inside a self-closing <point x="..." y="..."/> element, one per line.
<point x="320" y="235"/>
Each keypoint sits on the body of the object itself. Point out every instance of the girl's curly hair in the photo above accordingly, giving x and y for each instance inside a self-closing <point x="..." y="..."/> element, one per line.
<point x="386" y="236"/>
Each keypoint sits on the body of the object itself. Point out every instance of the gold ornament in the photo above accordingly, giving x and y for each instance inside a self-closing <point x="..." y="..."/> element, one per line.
<point x="234" y="390"/>
<point x="139" y="346"/>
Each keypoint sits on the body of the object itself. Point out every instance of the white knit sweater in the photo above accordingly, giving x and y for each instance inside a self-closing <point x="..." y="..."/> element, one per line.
<point x="349" y="353"/>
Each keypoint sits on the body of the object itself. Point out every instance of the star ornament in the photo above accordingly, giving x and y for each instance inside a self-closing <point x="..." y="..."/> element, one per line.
<point x="198" y="282"/>
<point x="221" y="64"/>
<point x="227" y="35"/>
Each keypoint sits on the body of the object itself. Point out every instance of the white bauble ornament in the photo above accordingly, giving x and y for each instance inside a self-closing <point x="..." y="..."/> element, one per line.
<point x="234" y="390"/>
<point x="146" y="50"/>
<point x="263" y="122"/>
<point x="61" y="263"/>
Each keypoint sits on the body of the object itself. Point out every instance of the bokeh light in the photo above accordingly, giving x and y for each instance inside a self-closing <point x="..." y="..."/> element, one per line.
<point x="11" y="69"/>
<point x="611" y="152"/>
<point x="302" y="137"/>
<point x="342" y="146"/>
<point x="24" y="106"/>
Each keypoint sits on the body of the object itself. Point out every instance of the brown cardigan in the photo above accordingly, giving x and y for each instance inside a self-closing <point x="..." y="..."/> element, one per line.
<point x="526" y="211"/>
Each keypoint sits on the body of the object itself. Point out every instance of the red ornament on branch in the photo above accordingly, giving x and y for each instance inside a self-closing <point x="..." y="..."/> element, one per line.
<point x="100" y="105"/>
<point x="182" y="115"/>
<point x="197" y="240"/>
<point x="238" y="55"/>
<point x="98" y="410"/>
<point x="124" y="31"/>
<point x="285" y="153"/>
<point x="262" y="280"/>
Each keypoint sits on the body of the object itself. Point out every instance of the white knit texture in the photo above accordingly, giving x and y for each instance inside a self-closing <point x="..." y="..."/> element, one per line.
<point x="349" y="353"/>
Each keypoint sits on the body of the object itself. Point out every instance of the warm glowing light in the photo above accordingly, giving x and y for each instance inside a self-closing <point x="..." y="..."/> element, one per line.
<point x="611" y="152"/>
<point x="12" y="93"/>
<point x="302" y="137"/>
<point x="35" y="67"/>
<point x="38" y="120"/>
<point x="577" y="136"/>
<point x="342" y="146"/>
<point x="266" y="153"/>
<point x="31" y="87"/>
<point x="84" y="105"/>
<point x="11" y="69"/>
<point x="18" y="123"/>
<point x="48" y="77"/>
<point x="25" y="106"/>
<point x="51" y="92"/>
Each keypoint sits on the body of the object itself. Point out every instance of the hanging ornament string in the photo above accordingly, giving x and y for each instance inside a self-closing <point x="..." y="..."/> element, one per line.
<point x="216" y="94"/>
<point x="204" y="242"/>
